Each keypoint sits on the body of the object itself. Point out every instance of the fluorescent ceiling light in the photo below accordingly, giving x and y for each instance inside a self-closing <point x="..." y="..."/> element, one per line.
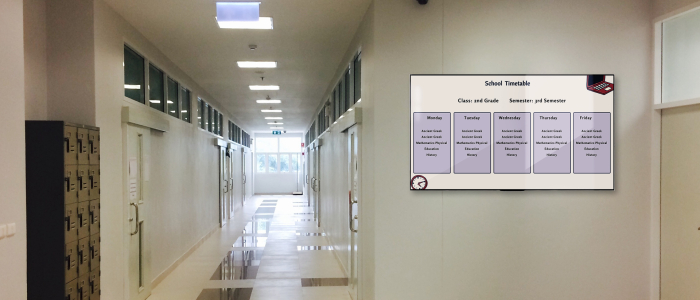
<point x="170" y="102"/>
<point x="261" y="23"/>
<point x="275" y="123"/>
<point x="271" y="110"/>
<point x="358" y="100"/>
<point x="184" y="111"/>
<point x="154" y="101"/>
<point x="273" y="118"/>
<point x="264" y="87"/>
<point x="350" y="109"/>
<point x="132" y="86"/>
<point x="257" y="64"/>
<point x="238" y="11"/>
<point x="268" y="101"/>
<point x="276" y="127"/>
<point x="172" y="111"/>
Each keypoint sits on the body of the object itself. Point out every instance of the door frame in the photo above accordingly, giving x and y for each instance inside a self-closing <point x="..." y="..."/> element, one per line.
<point x="143" y="165"/>
<point x="656" y="112"/>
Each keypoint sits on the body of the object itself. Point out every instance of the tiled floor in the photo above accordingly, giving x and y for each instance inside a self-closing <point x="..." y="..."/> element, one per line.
<point x="268" y="251"/>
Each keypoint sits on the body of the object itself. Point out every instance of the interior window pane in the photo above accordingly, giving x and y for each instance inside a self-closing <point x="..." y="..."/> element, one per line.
<point x="215" y="122"/>
<point x="290" y="144"/>
<point x="272" y="162"/>
<point x="210" y="119"/>
<point x="358" y="77"/>
<point x="185" y="105"/>
<point x="173" y="102"/>
<point x="261" y="163"/>
<point x="266" y="145"/>
<point x="156" y="88"/>
<point x="203" y="115"/>
<point x="284" y="163"/>
<point x="341" y="96"/>
<point x="200" y="111"/>
<point x="221" y="124"/>
<point x="348" y="90"/>
<point x="295" y="162"/>
<point x="134" y="76"/>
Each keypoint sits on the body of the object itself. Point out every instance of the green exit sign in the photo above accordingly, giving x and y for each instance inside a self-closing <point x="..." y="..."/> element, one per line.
<point x="276" y="132"/>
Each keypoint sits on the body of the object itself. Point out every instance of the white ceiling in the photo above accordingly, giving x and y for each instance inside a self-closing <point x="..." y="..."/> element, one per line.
<point x="308" y="41"/>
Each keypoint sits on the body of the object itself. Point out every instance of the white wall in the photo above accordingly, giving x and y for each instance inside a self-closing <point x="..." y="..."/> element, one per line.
<point x="184" y="161"/>
<point x="334" y="165"/>
<point x="35" y="59"/>
<point x="522" y="245"/>
<point x="13" y="250"/>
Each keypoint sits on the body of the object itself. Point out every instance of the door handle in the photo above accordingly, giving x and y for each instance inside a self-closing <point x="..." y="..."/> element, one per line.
<point x="352" y="224"/>
<point x="136" y="231"/>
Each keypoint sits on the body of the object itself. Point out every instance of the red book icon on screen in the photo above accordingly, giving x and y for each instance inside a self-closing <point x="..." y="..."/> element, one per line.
<point x="597" y="84"/>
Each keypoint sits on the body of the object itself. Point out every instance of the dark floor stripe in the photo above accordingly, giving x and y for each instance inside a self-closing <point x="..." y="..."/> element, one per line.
<point x="307" y="282"/>
<point x="306" y="248"/>
<point x="226" y="294"/>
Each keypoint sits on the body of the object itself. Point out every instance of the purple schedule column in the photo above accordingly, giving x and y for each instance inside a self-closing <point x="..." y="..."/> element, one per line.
<point x="552" y="143"/>
<point x="431" y="143"/>
<point x="511" y="150"/>
<point x="472" y="143"/>
<point x="592" y="143"/>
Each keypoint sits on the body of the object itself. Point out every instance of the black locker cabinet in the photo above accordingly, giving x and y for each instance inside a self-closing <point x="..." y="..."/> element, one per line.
<point x="63" y="211"/>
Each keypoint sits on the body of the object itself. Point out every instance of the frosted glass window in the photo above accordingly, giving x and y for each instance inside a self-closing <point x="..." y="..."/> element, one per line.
<point x="681" y="58"/>
<point x="284" y="163"/>
<point x="261" y="163"/>
<point x="266" y="145"/>
<point x="290" y="144"/>
<point x="295" y="162"/>
<point x="272" y="163"/>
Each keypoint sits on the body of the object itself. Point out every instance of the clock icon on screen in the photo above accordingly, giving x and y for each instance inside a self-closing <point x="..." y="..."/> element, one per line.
<point x="419" y="182"/>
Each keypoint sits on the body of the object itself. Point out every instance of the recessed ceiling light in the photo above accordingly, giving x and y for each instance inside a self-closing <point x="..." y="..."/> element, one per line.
<point x="264" y="87"/>
<point x="268" y="101"/>
<point x="271" y="110"/>
<point x="257" y="64"/>
<point x="275" y="123"/>
<point x="154" y="101"/>
<point x="276" y="127"/>
<point x="273" y="118"/>
<point x="132" y="86"/>
<point x="238" y="11"/>
<point x="261" y="23"/>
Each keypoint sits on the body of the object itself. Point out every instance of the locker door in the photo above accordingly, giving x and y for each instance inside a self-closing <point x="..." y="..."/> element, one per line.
<point x="83" y="219"/>
<point x="71" y="223"/>
<point x="71" y="255"/>
<point x="83" y="183"/>
<point x="94" y="251"/>
<point x="95" y="285"/>
<point x="72" y="290"/>
<point x="94" y="182"/>
<point x="83" y="147"/>
<point x="354" y="202"/>
<point x="94" y="216"/>
<point x="94" y="147"/>
<point x="223" y="187"/>
<point x="84" y="257"/>
<point x="71" y="184"/>
<point x="84" y="287"/>
<point x="70" y="148"/>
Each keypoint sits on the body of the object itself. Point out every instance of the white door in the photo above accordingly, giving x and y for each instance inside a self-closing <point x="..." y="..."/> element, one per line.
<point x="680" y="208"/>
<point x="317" y="193"/>
<point x="137" y="166"/>
<point x="232" y="190"/>
<point x="354" y="202"/>
<point x="223" y="187"/>
<point x="244" y="179"/>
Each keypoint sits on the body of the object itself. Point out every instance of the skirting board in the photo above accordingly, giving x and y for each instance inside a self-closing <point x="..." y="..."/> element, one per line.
<point x="182" y="258"/>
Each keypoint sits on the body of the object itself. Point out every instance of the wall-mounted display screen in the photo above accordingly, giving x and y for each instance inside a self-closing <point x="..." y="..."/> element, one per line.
<point x="512" y="132"/>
